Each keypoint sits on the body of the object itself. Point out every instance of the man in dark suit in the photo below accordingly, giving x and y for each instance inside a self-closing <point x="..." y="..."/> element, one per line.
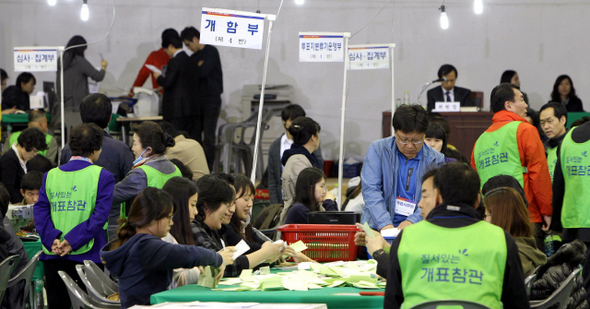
<point x="447" y="92"/>
<point x="180" y="104"/>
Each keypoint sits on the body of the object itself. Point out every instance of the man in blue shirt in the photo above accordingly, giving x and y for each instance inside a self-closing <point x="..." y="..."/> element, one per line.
<point x="392" y="171"/>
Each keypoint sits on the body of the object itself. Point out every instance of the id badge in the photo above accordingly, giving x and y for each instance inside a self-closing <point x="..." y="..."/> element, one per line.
<point x="404" y="206"/>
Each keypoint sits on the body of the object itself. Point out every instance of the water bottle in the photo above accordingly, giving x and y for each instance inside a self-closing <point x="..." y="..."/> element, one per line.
<point x="407" y="97"/>
<point x="549" y="246"/>
<point x="398" y="102"/>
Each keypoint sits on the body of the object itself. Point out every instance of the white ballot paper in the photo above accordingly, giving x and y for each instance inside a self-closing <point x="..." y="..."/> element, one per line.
<point x="241" y="248"/>
<point x="153" y="68"/>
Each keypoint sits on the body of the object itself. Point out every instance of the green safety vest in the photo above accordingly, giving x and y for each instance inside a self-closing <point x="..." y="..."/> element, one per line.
<point x="464" y="263"/>
<point x="575" y="167"/>
<point x="496" y="153"/>
<point x="155" y="179"/>
<point x="72" y="201"/>
<point x="14" y="139"/>
<point x="551" y="160"/>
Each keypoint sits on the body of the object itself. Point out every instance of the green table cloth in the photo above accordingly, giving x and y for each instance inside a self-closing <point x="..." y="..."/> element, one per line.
<point x="32" y="247"/>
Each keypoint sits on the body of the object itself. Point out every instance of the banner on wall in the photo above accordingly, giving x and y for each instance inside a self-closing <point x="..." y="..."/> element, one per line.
<point x="232" y="28"/>
<point x="321" y="47"/>
<point x="368" y="57"/>
<point x="35" y="59"/>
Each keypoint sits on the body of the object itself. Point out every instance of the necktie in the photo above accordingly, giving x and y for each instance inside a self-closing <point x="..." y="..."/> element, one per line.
<point x="448" y="93"/>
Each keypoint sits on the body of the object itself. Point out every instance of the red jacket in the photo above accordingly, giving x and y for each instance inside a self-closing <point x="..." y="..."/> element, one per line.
<point x="537" y="182"/>
<point x="157" y="58"/>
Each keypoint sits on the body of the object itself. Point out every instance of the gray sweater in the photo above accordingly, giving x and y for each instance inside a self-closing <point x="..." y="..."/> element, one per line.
<point x="76" y="75"/>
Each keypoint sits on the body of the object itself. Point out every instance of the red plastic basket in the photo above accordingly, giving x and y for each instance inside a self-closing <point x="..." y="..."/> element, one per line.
<point x="325" y="242"/>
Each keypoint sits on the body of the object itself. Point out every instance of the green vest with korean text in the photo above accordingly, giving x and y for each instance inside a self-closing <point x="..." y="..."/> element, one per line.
<point x="551" y="160"/>
<point x="453" y="264"/>
<point x="14" y="139"/>
<point x="156" y="178"/>
<point x="72" y="198"/>
<point x="575" y="167"/>
<point x="496" y="153"/>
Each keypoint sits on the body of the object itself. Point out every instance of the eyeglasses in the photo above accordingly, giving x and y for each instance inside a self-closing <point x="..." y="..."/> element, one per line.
<point x="405" y="141"/>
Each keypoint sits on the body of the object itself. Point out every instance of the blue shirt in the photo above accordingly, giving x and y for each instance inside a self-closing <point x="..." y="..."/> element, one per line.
<point x="406" y="181"/>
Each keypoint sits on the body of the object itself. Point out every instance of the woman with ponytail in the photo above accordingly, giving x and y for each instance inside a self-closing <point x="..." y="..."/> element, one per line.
<point x="151" y="168"/>
<point x="142" y="261"/>
<point x="306" y="139"/>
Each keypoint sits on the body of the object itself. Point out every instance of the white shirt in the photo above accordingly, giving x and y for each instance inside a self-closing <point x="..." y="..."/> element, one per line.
<point x="176" y="53"/>
<point x="451" y="93"/>
<point x="285" y="144"/>
<point x="23" y="164"/>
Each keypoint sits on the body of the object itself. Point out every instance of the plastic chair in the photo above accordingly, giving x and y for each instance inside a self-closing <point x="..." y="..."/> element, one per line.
<point x="26" y="275"/>
<point x="6" y="268"/>
<point x="448" y="302"/>
<point x="560" y="296"/>
<point x="80" y="299"/>
<point x="528" y="281"/>
<point x="94" y="286"/>
<point x="108" y="284"/>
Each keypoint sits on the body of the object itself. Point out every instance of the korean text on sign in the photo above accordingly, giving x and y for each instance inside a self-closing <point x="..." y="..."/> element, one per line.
<point x="35" y="60"/>
<point x="232" y="28"/>
<point x="321" y="48"/>
<point x="368" y="58"/>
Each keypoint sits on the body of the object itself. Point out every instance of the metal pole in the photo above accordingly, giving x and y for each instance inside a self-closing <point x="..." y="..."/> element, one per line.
<point x="261" y="105"/>
<point x="61" y="86"/>
<point x="342" y="121"/>
<point x="391" y="48"/>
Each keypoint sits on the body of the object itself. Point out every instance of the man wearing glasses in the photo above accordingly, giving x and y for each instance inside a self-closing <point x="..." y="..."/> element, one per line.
<point x="392" y="171"/>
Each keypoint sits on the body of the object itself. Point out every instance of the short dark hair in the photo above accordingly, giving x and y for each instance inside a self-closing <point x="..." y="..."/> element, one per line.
<point x="580" y="121"/>
<point x="558" y="110"/>
<point x="446" y="69"/>
<point x="39" y="163"/>
<point x="430" y="173"/>
<point x="181" y="189"/>
<point x="96" y="108"/>
<point x="3" y="75"/>
<point x="507" y="76"/>
<point x="184" y="170"/>
<point x="167" y="127"/>
<point x="85" y="139"/>
<point x="436" y="131"/>
<point x="31" y="181"/>
<point x="32" y="138"/>
<point x="410" y="118"/>
<point x="305" y="187"/>
<point x="500" y="94"/>
<point x="292" y="111"/>
<point x="457" y="183"/>
<point x="500" y="181"/>
<point x="35" y="115"/>
<point x="151" y="135"/>
<point x="189" y="33"/>
<point x="25" y="77"/>
<point x="167" y="32"/>
<point x="534" y="115"/>
<point x="302" y="129"/>
<point x="229" y="178"/>
<point x="171" y="39"/>
<point x="555" y="95"/>
<point x="213" y="191"/>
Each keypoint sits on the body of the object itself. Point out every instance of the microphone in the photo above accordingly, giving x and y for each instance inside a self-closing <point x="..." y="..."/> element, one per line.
<point x="443" y="79"/>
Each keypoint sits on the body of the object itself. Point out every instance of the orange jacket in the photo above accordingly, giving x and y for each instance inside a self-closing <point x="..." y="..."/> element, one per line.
<point x="537" y="182"/>
<point x="157" y="58"/>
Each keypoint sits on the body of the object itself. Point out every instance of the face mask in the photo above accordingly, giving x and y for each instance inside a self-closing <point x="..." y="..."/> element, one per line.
<point x="140" y="157"/>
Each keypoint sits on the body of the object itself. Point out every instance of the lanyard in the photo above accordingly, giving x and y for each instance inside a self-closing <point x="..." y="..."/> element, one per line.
<point x="80" y="159"/>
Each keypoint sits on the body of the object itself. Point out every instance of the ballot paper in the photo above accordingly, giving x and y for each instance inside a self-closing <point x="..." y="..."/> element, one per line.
<point x="153" y="68"/>
<point x="368" y="230"/>
<point x="241" y="248"/>
<point x="298" y="246"/>
<point x="390" y="233"/>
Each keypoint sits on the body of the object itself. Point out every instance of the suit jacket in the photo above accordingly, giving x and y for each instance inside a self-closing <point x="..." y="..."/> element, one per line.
<point x="11" y="174"/>
<point x="462" y="95"/>
<point x="180" y="87"/>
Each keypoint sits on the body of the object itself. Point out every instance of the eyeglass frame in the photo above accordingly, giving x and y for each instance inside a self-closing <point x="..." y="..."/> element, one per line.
<point x="408" y="142"/>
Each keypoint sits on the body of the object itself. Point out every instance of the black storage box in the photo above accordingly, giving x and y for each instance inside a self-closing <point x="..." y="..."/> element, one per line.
<point x="334" y="217"/>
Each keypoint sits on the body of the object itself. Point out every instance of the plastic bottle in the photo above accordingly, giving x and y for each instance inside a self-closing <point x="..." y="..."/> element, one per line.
<point x="407" y="97"/>
<point x="549" y="246"/>
<point x="398" y="102"/>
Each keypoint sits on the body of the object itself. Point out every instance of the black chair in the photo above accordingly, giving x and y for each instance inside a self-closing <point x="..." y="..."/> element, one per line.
<point x="6" y="268"/>
<point x="560" y="296"/>
<point x="24" y="278"/>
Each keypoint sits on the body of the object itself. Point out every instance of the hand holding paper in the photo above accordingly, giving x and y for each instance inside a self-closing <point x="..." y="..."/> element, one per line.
<point x="228" y="255"/>
<point x="153" y="69"/>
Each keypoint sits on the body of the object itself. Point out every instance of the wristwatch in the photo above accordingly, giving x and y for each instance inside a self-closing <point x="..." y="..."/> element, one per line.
<point x="377" y="253"/>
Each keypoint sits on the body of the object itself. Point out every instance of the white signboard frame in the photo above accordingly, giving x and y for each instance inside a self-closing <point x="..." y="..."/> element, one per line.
<point x="36" y="59"/>
<point x="232" y="28"/>
<point x="321" y="47"/>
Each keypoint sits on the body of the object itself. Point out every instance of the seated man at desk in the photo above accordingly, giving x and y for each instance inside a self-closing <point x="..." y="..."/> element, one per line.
<point x="16" y="97"/>
<point x="447" y="92"/>
<point x="37" y="119"/>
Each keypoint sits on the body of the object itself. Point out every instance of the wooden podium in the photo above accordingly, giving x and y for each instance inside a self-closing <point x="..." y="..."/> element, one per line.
<point x="465" y="127"/>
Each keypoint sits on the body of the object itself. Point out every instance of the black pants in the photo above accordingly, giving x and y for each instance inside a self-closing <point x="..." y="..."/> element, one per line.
<point x="206" y="125"/>
<point x="57" y="293"/>
<point x="186" y="124"/>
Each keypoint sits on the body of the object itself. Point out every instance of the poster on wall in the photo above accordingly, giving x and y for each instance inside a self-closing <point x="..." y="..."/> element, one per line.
<point x="321" y="47"/>
<point x="35" y="59"/>
<point x="368" y="57"/>
<point x="232" y="28"/>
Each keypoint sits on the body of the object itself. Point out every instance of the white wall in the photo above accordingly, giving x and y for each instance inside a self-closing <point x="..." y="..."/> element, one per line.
<point x="540" y="40"/>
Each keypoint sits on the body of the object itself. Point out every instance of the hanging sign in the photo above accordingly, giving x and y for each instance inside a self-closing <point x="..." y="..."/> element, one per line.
<point x="321" y="47"/>
<point x="232" y="28"/>
<point x="35" y="59"/>
<point x="368" y="57"/>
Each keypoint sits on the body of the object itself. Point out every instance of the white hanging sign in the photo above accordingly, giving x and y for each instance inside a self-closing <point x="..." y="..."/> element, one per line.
<point x="368" y="57"/>
<point x="232" y="28"/>
<point x="35" y="59"/>
<point x="321" y="47"/>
